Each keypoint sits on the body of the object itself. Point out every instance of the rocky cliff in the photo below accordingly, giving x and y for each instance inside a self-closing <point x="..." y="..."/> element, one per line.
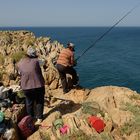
<point x="13" y="46"/>
<point x="117" y="107"/>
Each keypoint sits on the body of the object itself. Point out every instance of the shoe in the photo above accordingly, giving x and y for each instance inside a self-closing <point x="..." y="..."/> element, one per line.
<point x="77" y="86"/>
<point x="66" y="91"/>
<point x="38" y="122"/>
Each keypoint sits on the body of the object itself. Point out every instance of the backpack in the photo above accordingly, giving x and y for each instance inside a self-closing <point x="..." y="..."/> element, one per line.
<point x="26" y="126"/>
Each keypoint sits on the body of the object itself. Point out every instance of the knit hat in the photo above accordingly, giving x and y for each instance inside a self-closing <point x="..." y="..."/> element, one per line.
<point x="31" y="52"/>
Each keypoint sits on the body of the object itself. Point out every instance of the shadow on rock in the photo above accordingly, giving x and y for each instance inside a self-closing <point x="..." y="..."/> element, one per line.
<point x="64" y="107"/>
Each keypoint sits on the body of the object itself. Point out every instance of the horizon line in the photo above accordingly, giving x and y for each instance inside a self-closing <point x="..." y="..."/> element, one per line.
<point x="59" y="26"/>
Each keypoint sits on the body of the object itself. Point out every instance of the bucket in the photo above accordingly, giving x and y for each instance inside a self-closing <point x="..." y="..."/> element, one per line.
<point x="96" y="123"/>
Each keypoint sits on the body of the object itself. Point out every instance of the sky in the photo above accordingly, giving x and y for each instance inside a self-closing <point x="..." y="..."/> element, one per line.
<point x="68" y="12"/>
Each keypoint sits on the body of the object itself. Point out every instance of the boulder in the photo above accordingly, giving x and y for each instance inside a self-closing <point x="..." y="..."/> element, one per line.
<point x="110" y="100"/>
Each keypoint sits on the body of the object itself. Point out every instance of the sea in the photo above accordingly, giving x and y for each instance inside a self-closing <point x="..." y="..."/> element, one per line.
<point x="113" y="60"/>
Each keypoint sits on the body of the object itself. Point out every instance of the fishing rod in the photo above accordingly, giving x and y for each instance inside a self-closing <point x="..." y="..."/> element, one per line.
<point x="105" y="33"/>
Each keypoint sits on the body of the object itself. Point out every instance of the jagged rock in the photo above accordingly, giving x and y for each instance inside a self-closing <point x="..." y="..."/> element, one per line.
<point x="5" y="79"/>
<point x="108" y="123"/>
<point x="51" y="74"/>
<point x="116" y="134"/>
<point x="53" y="54"/>
<point x="12" y="42"/>
<point x="48" y="46"/>
<point x="76" y="95"/>
<point x="134" y="136"/>
<point x="54" y="84"/>
<point x="11" y="134"/>
<point x="10" y="68"/>
<point x="35" y="136"/>
<point x="86" y="128"/>
<point x="110" y="99"/>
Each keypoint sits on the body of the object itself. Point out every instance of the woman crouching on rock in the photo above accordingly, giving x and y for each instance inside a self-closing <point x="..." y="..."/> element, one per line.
<point x="32" y="84"/>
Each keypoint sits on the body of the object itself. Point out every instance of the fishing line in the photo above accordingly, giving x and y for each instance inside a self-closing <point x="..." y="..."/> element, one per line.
<point x="105" y="33"/>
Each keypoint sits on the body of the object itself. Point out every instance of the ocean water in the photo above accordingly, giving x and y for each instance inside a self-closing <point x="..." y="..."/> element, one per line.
<point x="114" y="60"/>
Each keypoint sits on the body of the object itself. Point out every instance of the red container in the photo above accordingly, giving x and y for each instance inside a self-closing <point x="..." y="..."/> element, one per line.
<point x="96" y="123"/>
<point x="26" y="126"/>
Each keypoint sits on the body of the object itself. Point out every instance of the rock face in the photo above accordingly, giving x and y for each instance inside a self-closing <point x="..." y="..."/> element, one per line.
<point x="13" y="46"/>
<point x="108" y="103"/>
<point x="117" y="107"/>
<point x="110" y="100"/>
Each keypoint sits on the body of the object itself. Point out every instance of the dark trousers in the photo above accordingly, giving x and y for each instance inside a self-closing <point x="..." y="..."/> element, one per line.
<point x="67" y="70"/>
<point x="35" y="97"/>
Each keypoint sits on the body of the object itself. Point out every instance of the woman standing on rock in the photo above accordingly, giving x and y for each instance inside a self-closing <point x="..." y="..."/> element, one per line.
<point x="32" y="84"/>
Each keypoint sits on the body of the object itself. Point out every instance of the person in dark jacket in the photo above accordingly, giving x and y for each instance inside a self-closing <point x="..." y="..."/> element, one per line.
<point x="65" y="65"/>
<point x="32" y="83"/>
